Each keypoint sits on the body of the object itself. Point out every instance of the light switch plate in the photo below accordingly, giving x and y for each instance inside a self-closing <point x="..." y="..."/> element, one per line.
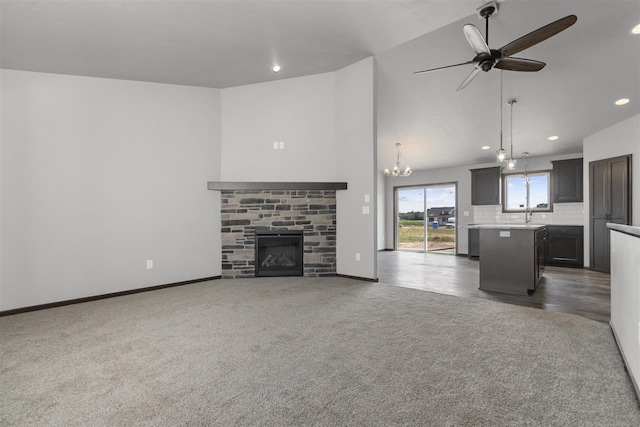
<point x="366" y="198"/>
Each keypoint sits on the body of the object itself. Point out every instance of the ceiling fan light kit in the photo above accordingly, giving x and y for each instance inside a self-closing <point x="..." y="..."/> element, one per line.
<point x="487" y="59"/>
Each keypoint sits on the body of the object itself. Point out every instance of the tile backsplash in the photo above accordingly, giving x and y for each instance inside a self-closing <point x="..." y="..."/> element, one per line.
<point x="563" y="214"/>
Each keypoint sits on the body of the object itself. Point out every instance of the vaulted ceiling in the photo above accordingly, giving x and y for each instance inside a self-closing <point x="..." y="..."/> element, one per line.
<point x="210" y="43"/>
<point x="229" y="43"/>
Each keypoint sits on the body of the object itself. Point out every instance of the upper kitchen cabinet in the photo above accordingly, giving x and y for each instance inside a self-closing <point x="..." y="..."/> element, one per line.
<point x="485" y="186"/>
<point x="567" y="181"/>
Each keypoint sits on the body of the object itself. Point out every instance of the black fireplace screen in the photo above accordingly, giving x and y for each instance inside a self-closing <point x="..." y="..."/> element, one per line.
<point x="279" y="253"/>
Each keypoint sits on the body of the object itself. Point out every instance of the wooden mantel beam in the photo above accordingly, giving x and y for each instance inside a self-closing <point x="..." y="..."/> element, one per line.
<point x="240" y="185"/>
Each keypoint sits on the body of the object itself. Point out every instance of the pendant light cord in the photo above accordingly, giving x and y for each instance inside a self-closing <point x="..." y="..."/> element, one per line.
<point x="501" y="102"/>
<point x="513" y="101"/>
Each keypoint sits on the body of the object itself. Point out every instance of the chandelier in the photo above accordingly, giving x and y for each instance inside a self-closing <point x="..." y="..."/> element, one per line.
<point x="396" y="169"/>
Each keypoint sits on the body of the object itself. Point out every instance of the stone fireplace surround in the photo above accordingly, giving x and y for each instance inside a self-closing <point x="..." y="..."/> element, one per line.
<point x="247" y="207"/>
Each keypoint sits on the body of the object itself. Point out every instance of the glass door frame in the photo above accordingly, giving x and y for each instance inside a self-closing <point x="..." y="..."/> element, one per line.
<point x="426" y="216"/>
<point x="396" y="215"/>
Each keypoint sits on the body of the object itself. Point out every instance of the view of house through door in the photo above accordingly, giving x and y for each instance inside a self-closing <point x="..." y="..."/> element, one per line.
<point x="426" y="218"/>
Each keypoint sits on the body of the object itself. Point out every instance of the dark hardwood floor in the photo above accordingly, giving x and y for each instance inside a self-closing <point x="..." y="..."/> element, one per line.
<point x="567" y="290"/>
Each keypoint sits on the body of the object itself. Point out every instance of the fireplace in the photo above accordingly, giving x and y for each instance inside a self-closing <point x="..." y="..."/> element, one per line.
<point x="244" y="211"/>
<point x="279" y="253"/>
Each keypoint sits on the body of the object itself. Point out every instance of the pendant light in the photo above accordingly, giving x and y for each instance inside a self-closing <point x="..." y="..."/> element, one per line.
<point x="501" y="154"/>
<point x="511" y="163"/>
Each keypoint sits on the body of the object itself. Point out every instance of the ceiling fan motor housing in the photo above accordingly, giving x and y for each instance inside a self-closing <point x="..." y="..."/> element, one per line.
<point x="486" y="61"/>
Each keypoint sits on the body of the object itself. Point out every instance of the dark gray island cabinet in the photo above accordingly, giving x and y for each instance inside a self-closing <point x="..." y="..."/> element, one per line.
<point x="512" y="257"/>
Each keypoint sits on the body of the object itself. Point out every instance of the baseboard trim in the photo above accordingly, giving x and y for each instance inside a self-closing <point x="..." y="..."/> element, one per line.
<point x="102" y="296"/>
<point x="626" y="365"/>
<point x="364" y="279"/>
<point x="385" y="250"/>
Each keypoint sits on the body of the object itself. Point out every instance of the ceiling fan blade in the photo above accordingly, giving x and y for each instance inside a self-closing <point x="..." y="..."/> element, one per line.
<point x="475" y="39"/>
<point x="537" y="36"/>
<point x="519" y="64"/>
<point x="470" y="77"/>
<point x="442" y="68"/>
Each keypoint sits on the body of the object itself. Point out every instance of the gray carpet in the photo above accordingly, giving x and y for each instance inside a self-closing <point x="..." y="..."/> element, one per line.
<point x="309" y="352"/>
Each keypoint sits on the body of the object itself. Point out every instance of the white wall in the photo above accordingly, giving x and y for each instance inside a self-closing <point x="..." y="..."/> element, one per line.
<point x="327" y="124"/>
<point x="355" y="164"/>
<point x="99" y="175"/>
<point x="300" y="112"/>
<point x="618" y="140"/>
<point x="462" y="176"/>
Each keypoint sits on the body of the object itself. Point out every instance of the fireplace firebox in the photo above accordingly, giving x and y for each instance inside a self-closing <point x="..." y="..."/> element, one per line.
<point x="279" y="253"/>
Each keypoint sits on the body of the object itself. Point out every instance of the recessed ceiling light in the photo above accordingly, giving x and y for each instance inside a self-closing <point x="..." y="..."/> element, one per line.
<point x="485" y="147"/>
<point x="622" y="101"/>
<point x="636" y="29"/>
<point x="276" y="68"/>
<point x="553" y="138"/>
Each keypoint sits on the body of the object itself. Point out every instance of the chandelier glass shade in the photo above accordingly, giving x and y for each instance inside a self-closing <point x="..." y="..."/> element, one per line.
<point x="397" y="171"/>
<point x="501" y="155"/>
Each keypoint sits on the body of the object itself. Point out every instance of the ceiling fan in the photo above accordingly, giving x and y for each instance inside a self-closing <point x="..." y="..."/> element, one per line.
<point x="486" y="58"/>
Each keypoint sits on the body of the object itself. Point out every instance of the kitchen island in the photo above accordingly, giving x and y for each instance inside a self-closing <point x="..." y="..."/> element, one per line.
<point x="511" y="257"/>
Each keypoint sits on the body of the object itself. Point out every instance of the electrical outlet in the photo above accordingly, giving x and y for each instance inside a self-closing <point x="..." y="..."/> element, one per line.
<point x="365" y="210"/>
<point x="281" y="143"/>
<point x="149" y="264"/>
<point x="357" y="256"/>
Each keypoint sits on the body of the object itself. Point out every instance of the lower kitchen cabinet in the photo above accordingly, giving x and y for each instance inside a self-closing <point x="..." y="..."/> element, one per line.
<point x="474" y="243"/>
<point x="565" y="246"/>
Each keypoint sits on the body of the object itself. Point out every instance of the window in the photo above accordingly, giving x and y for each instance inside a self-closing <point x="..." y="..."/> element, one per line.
<point x="514" y="187"/>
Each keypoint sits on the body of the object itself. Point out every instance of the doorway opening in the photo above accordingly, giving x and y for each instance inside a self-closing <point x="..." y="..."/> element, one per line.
<point x="426" y="218"/>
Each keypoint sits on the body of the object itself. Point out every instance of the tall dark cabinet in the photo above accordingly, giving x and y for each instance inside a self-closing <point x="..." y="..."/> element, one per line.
<point x="610" y="201"/>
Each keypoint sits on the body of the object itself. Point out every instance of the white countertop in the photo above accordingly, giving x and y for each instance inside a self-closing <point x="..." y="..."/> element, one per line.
<point x="508" y="226"/>
<point x="627" y="229"/>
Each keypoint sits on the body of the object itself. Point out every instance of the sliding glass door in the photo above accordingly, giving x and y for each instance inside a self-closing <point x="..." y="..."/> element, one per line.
<point x="426" y="218"/>
<point x="410" y="229"/>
